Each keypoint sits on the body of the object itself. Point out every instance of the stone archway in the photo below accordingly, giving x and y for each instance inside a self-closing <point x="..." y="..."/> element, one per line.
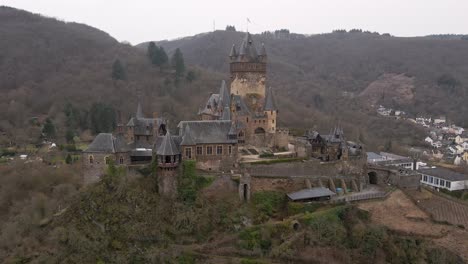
<point x="245" y="191"/>
<point x="259" y="130"/>
<point x="373" y="178"/>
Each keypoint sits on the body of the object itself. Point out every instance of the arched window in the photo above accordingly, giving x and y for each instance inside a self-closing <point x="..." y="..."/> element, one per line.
<point x="106" y="160"/>
<point x="259" y="130"/>
<point x="121" y="160"/>
<point x="91" y="159"/>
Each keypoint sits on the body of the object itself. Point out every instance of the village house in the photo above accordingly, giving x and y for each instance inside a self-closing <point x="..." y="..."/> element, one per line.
<point x="443" y="178"/>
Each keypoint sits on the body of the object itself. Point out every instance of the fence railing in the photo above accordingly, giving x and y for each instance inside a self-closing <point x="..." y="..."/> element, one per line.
<point x="361" y="197"/>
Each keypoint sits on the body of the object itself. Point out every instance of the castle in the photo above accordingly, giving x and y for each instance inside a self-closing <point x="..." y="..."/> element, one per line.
<point x="243" y="116"/>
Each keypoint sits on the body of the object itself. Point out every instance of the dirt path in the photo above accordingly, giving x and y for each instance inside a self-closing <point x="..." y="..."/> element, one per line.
<point x="399" y="213"/>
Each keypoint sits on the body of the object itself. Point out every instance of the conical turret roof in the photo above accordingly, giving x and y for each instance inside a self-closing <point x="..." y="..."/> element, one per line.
<point x="270" y="102"/>
<point x="233" y="51"/>
<point x="139" y="112"/>
<point x="226" y="114"/>
<point x="263" y="50"/>
<point x="168" y="146"/>
<point x="224" y="97"/>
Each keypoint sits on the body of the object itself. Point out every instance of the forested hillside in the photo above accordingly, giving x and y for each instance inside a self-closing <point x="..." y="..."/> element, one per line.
<point x="327" y="74"/>
<point x="325" y="66"/>
<point x="64" y="72"/>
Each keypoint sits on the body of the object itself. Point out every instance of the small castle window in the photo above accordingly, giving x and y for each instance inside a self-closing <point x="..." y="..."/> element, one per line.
<point x="273" y="121"/>
<point x="199" y="150"/>
<point x="230" y="150"/>
<point x="264" y="121"/>
<point x="188" y="153"/>
<point x="209" y="150"/>
<point x="91" y="159"/>
<point x="247" y="119"/>
<point x="219" y="150"/>
<point x="121" y="160"/>
<point x="106" y="160"/>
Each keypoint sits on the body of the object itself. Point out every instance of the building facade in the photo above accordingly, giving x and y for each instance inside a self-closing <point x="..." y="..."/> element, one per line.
<point x="444" y="179"/>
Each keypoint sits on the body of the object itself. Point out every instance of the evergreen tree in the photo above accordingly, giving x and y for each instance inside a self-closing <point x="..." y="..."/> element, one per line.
<point x="118" y="71"/>
<point x="103" y="118"/>
<point x="49" y="129"/>
<point x="163" y="58"/>
<point x="69" y="135"/>
<point x="68" y="159"/>
<point x="178" y="64"/>
<point x="151" y="50"/>
<point x="157" y="55"/>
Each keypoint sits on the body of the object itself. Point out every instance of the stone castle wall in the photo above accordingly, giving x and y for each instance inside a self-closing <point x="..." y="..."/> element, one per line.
<point x="248" y="83"/>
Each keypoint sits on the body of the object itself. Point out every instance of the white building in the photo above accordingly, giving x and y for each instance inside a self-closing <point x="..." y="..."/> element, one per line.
<point x="429" y="140"/>
<point x="444" y="178"/>
<point x="440" y="120"/>
<point x="390" y="159"/>
<point x="437" y="144"/>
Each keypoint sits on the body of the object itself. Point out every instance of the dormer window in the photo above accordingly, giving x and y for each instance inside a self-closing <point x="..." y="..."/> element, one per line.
<point x="91" y="159"/>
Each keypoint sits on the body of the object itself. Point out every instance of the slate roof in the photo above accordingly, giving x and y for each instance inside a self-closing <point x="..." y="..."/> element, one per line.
<point x="270" y="103"/>
<point x="139" y="113"/>
<point x="208" y="131"/>
<point x="217" y="101"/>
<point x="233" y="52"/>
<point x="444" y="174"/>
<point x="187" y="138"/>
<point x="263" y="50"/>
<point x="247" y="49"/>
<point x="224" y="96"/>
<point x="168" y="147"/>
<point x="144" y="126"/>
<point x="241" y="107"/>
<point x="226" y="114"/>
<point x="107" y="143"/>
<point x="310" y="193"/>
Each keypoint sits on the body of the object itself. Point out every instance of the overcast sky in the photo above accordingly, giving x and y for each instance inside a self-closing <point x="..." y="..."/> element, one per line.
<point x="141" y="20"/>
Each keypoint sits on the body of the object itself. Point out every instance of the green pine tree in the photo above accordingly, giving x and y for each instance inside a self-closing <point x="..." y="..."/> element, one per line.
<point x="68" y="159"/>
<point x="118" y="71"/>
<point x="178" y="64"/>
<point x="48" y="131"/>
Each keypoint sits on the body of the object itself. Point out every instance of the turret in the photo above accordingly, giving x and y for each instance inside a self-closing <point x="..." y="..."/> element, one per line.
<point x="167" y="154"/>
<point x="233" y="54"/>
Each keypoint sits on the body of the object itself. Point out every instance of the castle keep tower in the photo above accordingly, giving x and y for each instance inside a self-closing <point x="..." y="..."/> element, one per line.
<point x="253" y="106"/>
<point x="248" y="70"/>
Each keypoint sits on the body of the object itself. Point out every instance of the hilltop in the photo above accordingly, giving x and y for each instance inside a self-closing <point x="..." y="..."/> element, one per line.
<point x="47" y="63"/>
<point x="317" y="79"/>
<point x="317" y="70"/>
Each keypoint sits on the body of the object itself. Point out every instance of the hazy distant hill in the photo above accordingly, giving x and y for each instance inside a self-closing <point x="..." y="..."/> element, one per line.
<point x="325" y="66"/>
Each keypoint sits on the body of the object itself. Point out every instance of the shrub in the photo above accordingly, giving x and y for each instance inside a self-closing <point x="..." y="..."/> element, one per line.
<point x="268" y="203"/>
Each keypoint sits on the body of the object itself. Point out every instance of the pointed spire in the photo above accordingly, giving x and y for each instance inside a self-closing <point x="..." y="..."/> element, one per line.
<point x="226" y="114"/>
<point x="270" y="102"/>
<point x="263" y="50"/>
<point x="248" y="38"/>
<point x="187" y="138"/>
<point x="224" y="97"/>
<point x="233" y="51"/>
<point x="168" y="147"/>
<point x="242" y="50"/>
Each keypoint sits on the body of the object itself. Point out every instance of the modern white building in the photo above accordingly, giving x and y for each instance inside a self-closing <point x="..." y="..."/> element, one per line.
<point x="390" y="159"/>
<point x="444" y="178"/>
